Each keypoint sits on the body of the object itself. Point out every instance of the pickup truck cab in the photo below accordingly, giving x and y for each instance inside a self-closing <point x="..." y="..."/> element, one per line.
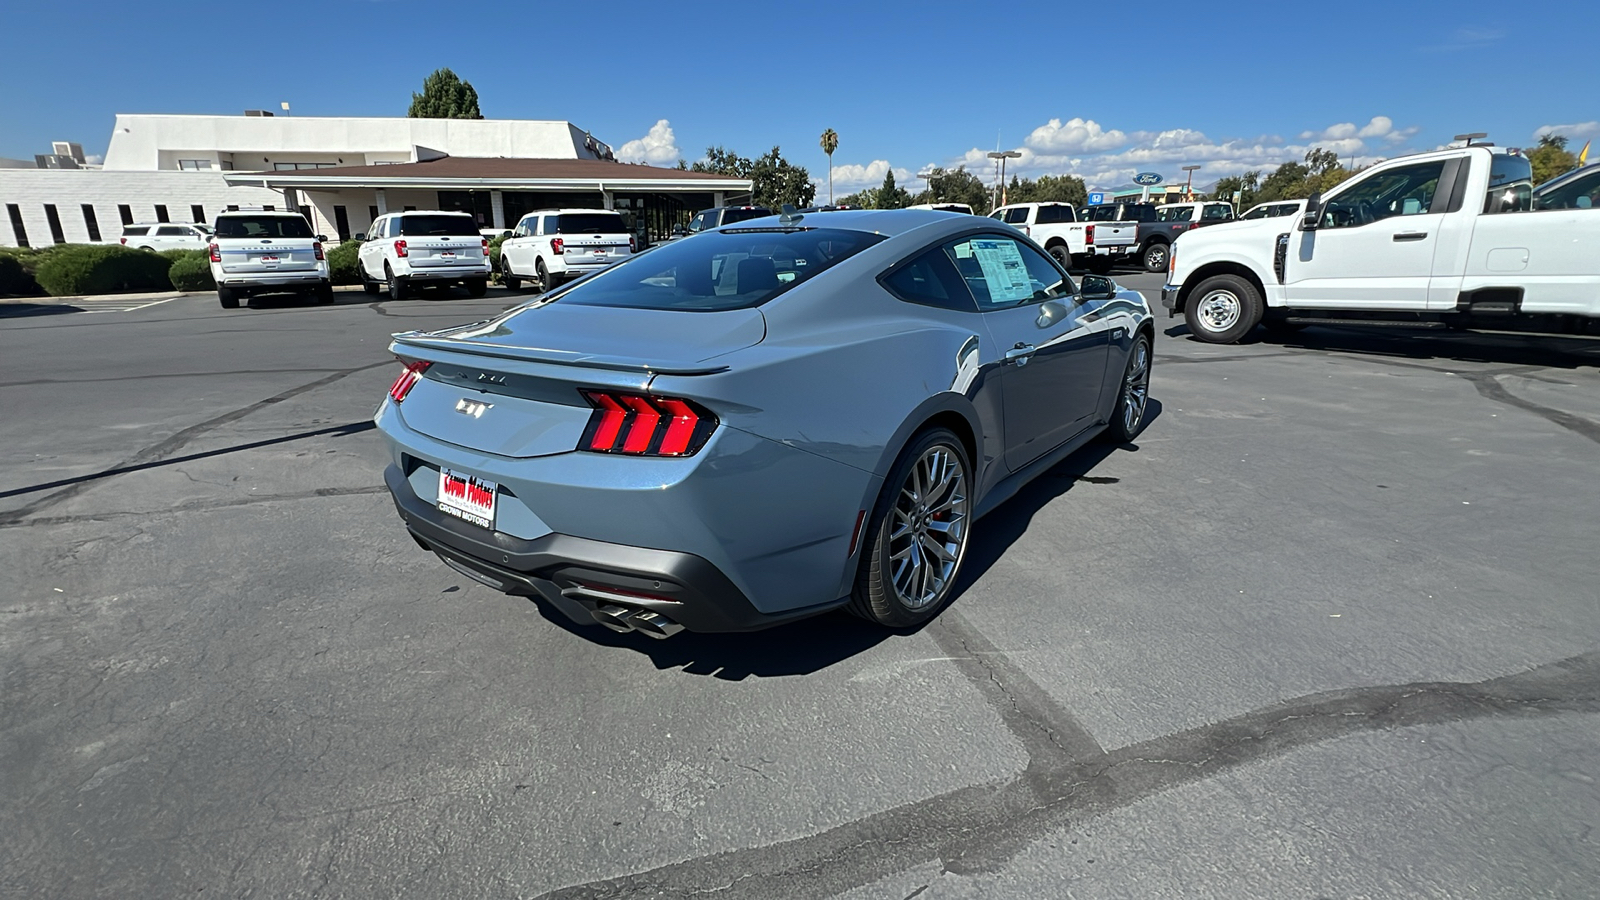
<point x="406" y="250"/>
<point x="269" y="251"/>
<point x="1096" y="246"/>
<point x="1445" y="238"/>
<point x="555" y="245"/>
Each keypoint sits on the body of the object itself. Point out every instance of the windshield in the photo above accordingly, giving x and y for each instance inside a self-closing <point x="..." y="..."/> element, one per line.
<point x="720" y="270"/>
<point x="742" y="215"/>
<point x="449" y="226"/>
<point x="263" y="226"/>
<point x="1577" y="192"/>
<point x="585" y="223"/>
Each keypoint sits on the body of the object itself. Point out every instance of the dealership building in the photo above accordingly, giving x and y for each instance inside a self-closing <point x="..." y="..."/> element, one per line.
<point x="342" y="173"/>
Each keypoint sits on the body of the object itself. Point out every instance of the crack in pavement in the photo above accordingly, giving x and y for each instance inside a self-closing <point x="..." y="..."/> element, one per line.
<point x="980" y="828"/>
<point x="194" y="506"/>
<point x="161" y="450"/>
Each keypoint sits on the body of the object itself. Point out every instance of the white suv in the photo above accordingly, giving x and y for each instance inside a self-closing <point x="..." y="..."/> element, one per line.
<point x="407" y="249"/>
<point x="267" y="252"/>
<point x="555" y="245"/>
<point x="166" y="236"/>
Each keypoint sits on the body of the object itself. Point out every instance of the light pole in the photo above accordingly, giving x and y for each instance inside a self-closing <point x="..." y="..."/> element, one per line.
<point x="1188" y="183"/>
<point x="1002" y="156"/>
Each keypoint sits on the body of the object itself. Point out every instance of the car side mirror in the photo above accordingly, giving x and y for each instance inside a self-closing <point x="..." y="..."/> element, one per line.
<point x="1313" y="217"/>
<point x="505" y="234"/>
<point x="1051" y="312"/>
<point x="323" y="238"/>
<point x="358" y="238"/>
<point x="1097" y="287"/>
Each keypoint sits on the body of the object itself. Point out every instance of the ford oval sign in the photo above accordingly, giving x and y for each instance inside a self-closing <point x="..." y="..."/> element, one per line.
<point x="1146" y="179"/>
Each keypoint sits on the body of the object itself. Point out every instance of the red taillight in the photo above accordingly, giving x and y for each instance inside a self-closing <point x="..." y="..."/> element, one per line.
<point x="485" y="248"/>
<point x="408" y="379"/>
<point x="216" y="252"/>
<point x="400" y="248"/>
<point x="316" y="247"/>
<point x="558" y="246"/>
<point x="124" y="241"/>
<point x="632" y="247"/>
<point x="645" y="425"/>
<point x="1088" y="234"/>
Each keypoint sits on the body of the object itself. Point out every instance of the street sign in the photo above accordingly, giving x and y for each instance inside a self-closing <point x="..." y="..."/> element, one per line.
<point x="1097" y="199"/>
<point x="1147" y="178"/>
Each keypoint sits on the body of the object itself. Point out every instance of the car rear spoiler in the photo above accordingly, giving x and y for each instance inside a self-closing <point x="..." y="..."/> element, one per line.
<point x="418" y="344"/>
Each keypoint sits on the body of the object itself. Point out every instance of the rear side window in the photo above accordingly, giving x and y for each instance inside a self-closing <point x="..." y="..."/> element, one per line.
<point x="438" y="226"/>
<point x="1216" y="212"/>
<point x="585" y="223"/>
<point x="744" y="215"/>
<point x="1175" y="214"/>
<point x="1101" y="213"/>
<point x="720" y="270"/>
<point x="1050" y="215"/>
<point x="169" y="231"/>
<point x="267" y="226"/>
<point x="931" y="280"/>
<point x="1018" y="216"/>
<point x="135" y="230"/>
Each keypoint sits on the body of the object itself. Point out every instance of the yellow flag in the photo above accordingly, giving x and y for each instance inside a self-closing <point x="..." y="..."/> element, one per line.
<point x="1583" y="155"/>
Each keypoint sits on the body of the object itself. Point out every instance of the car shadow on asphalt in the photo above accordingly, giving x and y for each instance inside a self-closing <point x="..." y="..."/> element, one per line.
<point x="23" y="310"/>
<point x="1494" y="348"/>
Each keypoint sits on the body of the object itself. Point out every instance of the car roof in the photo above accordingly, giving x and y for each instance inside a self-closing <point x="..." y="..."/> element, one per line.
<point x="887" y="222"/>
<point x="564" y="211"/>
<point x="430" y="212"/>
<point x="253" y="212"/>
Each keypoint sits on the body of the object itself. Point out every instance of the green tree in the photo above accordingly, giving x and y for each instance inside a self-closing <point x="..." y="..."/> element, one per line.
<point x="445" y="96"/>
<point x="1048" y="189"/>
<point x="863" y="199"/>
<point x="891" y="195"/>
<point x="1551" y="158"/>
<point x="1247" y="185"/>
<point x="955" y="186"/>
<point x="775" y="180"/>
<point x="830" y="143"/>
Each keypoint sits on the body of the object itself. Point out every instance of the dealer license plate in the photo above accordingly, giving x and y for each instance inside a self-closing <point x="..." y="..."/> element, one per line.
<point x="467" y="497"/>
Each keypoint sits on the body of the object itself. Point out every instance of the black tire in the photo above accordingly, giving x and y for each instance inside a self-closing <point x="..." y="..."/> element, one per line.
<point x="1062" y="255"/>
<point x="510" y="279"/>
<point x="1101" y="265"/>
<point x="325" y="295"/>
<point x="1155" y="257"/>
<point x="228" y="298"/>
<point x="477" y="287"/>
<point x="1133" y="394"/>
<point x="1222" y="309"/>
<point x="367" y="284"/>
<point x="542" y="277"/>
<point x="877" y="596"/>
<point x="399" y="288"/>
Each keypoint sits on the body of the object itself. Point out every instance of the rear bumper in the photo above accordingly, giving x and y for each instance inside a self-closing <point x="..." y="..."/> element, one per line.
<point x="578" y="575"/>
<point x="448" y="273"/>
<point x="271" y="281"/>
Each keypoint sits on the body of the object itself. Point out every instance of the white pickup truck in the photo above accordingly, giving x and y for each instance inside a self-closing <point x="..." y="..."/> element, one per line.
<point x="1074" y="243"/>
<point x="1449" y="238"/>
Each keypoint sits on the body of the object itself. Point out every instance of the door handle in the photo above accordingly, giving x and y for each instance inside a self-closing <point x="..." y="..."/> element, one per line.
<point x="1020" y="354"/>
<point x="1411" y="236"/>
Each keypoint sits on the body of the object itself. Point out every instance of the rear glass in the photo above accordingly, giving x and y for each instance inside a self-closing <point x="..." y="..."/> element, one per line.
<point x="267" y="226"/>
<point x="584" y="223"/>
<point x="744" y="215"/>
<point x="441" y="226"/>
<point x="720" y="270"/>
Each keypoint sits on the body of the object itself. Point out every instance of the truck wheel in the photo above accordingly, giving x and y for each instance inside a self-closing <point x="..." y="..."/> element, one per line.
<point x="1223" y="309"/>
<point x="324" y="294"/>
<point x="398" y="288"/>
<point x="1101" y="265"/>
<point x="477" y="287"/>
<point x="542" y="276"/>
<point x="1062" y="255"/>
<point x="367" y="284"/>
<point x="1155" y="257"/>
<point x="227" y="298"/>
<point x="508" y="277"/>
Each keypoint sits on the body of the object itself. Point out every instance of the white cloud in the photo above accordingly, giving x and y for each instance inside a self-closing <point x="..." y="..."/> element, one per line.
<point x="1584" y="130"/>
<point x="1074" y="136"/>
<point x="848" y="179"/>
<point x="658" y="147"/>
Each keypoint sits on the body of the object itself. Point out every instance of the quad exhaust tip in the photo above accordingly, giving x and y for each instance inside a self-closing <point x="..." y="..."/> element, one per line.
<point x="622" y="620"/>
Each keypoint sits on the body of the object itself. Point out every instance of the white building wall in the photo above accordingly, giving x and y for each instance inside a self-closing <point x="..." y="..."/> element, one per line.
<point x="252" y="143"/>
<point x="69" y="189"/>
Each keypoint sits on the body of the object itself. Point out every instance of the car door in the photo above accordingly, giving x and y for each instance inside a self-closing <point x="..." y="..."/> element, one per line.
<point x="1374" y="244"/>
<point x="371" y="253"/>
<point x="1055" y="357"/>
<point x="168" y="237"/>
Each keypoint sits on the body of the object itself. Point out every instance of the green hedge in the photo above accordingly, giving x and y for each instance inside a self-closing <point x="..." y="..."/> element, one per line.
<point x="74" y="269"/>
<point x="494" y="258"/>
<point x="15" y="281"/>
<point x="191" y="271"/>
<point x="342" y="262"/>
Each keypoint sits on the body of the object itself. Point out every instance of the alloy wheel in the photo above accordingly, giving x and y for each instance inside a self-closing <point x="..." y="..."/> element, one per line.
<point x="1136" y="387"/>
<point x="928" y="528"/>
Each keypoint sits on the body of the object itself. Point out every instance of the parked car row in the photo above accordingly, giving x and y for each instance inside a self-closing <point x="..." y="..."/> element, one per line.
<point x="1450" y="238"/>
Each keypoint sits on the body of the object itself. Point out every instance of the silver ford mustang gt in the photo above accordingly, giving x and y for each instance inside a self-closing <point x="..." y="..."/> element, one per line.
<point x="761" y="422"/>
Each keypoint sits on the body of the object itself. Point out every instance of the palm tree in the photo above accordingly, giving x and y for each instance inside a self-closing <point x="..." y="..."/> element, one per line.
<point x="830" y="143"/>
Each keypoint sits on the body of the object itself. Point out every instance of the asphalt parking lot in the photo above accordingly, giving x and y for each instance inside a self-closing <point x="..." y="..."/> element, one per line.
<point x="1329" y="630"/>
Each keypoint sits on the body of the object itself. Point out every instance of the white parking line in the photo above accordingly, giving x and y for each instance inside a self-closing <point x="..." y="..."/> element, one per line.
<point x="150" y="304"/>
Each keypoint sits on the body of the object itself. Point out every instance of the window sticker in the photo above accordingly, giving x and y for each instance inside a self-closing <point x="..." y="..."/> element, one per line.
<point x="1004" y="270"/>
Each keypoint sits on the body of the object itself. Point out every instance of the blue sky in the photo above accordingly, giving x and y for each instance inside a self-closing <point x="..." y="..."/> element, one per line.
<point x="1230" y="86"/>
